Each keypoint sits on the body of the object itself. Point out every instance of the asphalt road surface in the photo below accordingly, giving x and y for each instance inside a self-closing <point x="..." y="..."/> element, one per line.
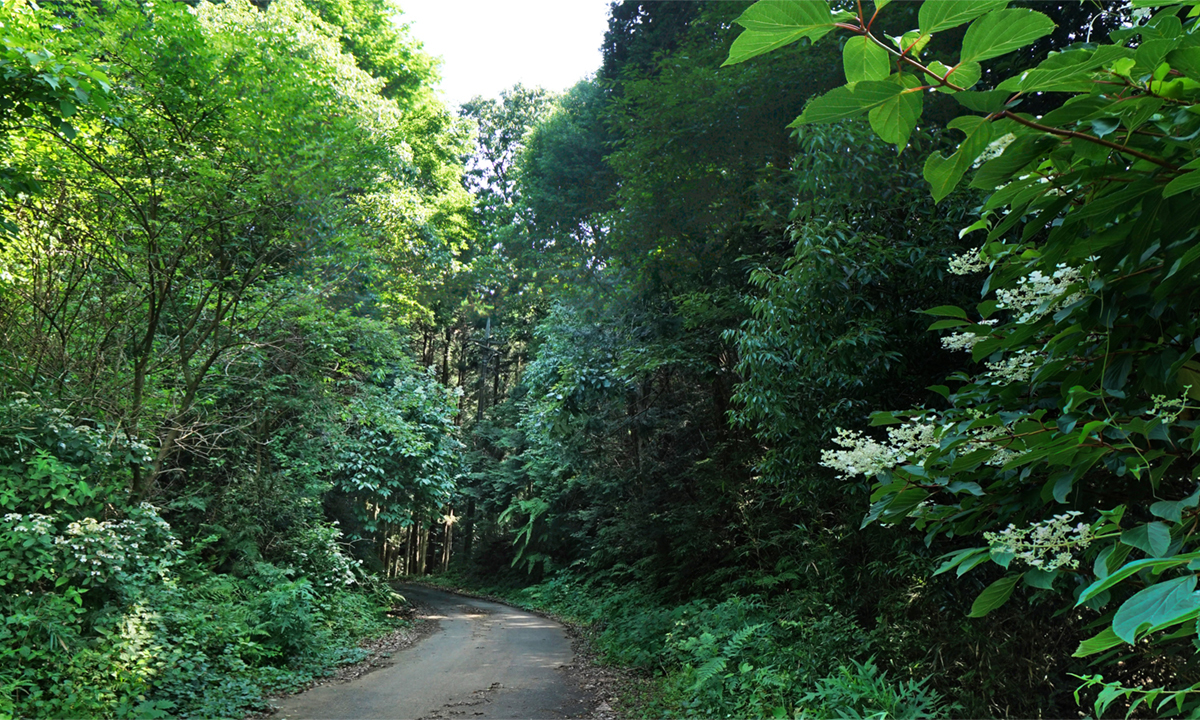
<point x="486" y="661"/>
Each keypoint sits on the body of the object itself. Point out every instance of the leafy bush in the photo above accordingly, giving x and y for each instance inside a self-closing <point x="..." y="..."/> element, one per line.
<point x="743" y="656"/>
<point x="861" y="691"/>
<point x="1067" y="452"/>
<point x="106" y="614"/>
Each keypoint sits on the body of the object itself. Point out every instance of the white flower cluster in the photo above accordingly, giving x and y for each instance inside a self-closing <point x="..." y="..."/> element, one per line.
<point x="1017" y="367"/>
<point x="994" y="149"/>
<point x="33" y="523"/>
<point x="105" y="549"/>
<point x="1037" y="294"/>
<point x="967" y="263"/>
<point x="911" y="442"/>
<point x="1047" y="545"/>
<point x="990" y="438"/>
<point x="98" y="546"/>
<point x="965" y="341"/>
<point x="864" y="456"/>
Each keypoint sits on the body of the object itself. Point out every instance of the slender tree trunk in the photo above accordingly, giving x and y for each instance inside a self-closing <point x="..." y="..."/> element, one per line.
<point x="423" y="549"/>
<point x="448" y="544"/>
<point x="469" y="530"/>
<point x="384" y="557"/>
<point x="496" y="382"/>
<point x="414" y="531"/>
<point x="484" y="360"/>
<point x="410" y="549"/>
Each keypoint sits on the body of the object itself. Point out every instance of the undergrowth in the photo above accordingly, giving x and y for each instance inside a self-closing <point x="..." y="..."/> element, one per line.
<point x="741" y="656"/>
<point x="107" y="613"/>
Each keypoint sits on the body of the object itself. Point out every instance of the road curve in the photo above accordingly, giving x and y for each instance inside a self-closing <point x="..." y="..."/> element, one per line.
<point x="487" y="661"/>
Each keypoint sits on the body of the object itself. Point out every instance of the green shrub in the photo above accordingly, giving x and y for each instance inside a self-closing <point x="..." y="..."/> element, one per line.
<point x="861" y="690"/>
<point x="105" y="614"/>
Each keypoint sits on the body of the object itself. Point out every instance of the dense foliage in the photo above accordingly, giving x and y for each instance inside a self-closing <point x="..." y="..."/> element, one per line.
<point x="202" y="348"/>
<point x="669" y="464"/>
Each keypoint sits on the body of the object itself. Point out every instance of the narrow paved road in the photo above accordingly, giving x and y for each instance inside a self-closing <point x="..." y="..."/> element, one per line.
<point x="487" y="661"/>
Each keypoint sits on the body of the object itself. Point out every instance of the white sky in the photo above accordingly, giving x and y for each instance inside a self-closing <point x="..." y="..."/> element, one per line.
<point x="489" y="45"/>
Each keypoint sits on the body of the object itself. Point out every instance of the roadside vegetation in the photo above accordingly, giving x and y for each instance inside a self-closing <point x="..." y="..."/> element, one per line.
<point x="824" y="360"/>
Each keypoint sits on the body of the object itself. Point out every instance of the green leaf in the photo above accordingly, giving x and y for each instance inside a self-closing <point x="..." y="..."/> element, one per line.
<point x="1062" y="488"/>
<point x="1105" y="640"/>
<point x="944" y="174"/>
<point x="970" y="563"/>
<point x="954" y="559"/>
<point x="944" y="14"/>
<point x="1152" y="538"/>
<point x="1156" y="564"/>
<point x="947" y="311"/>
<point x="965" y="75"/>
<point x="1064" y="72"/>
<point x="1157" y="605"/>
<point x="848" y="101"/>
<point x="1182" y="183"/>
<point x="894" y="120"/>
<point x="1172" y="510"/>
<point x="1024" y="150"/>
<point x="862" y="59"/>
<point x="989" y="101"/>
<point x="771" y="24"/>
<point x="1003" y="31"/>
<point x="911" y="43"/>
<point x="993" y="596"/>
<point x="1186" y="61"/>
<point x="1043" y="579"/>
<point x="947" y="323"/>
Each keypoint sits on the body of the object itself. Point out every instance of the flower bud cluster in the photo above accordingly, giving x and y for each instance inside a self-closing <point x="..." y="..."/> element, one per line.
<point x="1168" y="411"/>
<point x="1048" y="545"/>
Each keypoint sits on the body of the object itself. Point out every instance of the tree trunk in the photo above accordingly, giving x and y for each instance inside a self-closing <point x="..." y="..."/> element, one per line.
<point x="448" y="544"/>
<point x="422" y="548"/>
<point x="446" y="358"/>
<point x="469" y="530"/>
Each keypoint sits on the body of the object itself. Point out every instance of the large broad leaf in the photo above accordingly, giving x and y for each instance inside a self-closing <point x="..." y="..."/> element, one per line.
<point x="944" y="14"/>
<point x="1105" y="640"/>
<point x="1065" y="72"/>
<point x="771" y="24"/>
<point x="989" y="101"/>
<point x="1156" y="564"/>
<point x="1172" y="510"/>
<point x="849" y="101"/>
<point x="943" y="174"/>
<point x="862" y="59"/>
<point x="1003" y="31"/>
<point x="1186" y="61"/>
<point x="993" y="596"/>
<point x="1024" y="150"/>
<point x="1152" y="538"/>
<point x="1183" y="183"/>
<point x="1157" y="606"/>
<point x="895" y="119"/>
